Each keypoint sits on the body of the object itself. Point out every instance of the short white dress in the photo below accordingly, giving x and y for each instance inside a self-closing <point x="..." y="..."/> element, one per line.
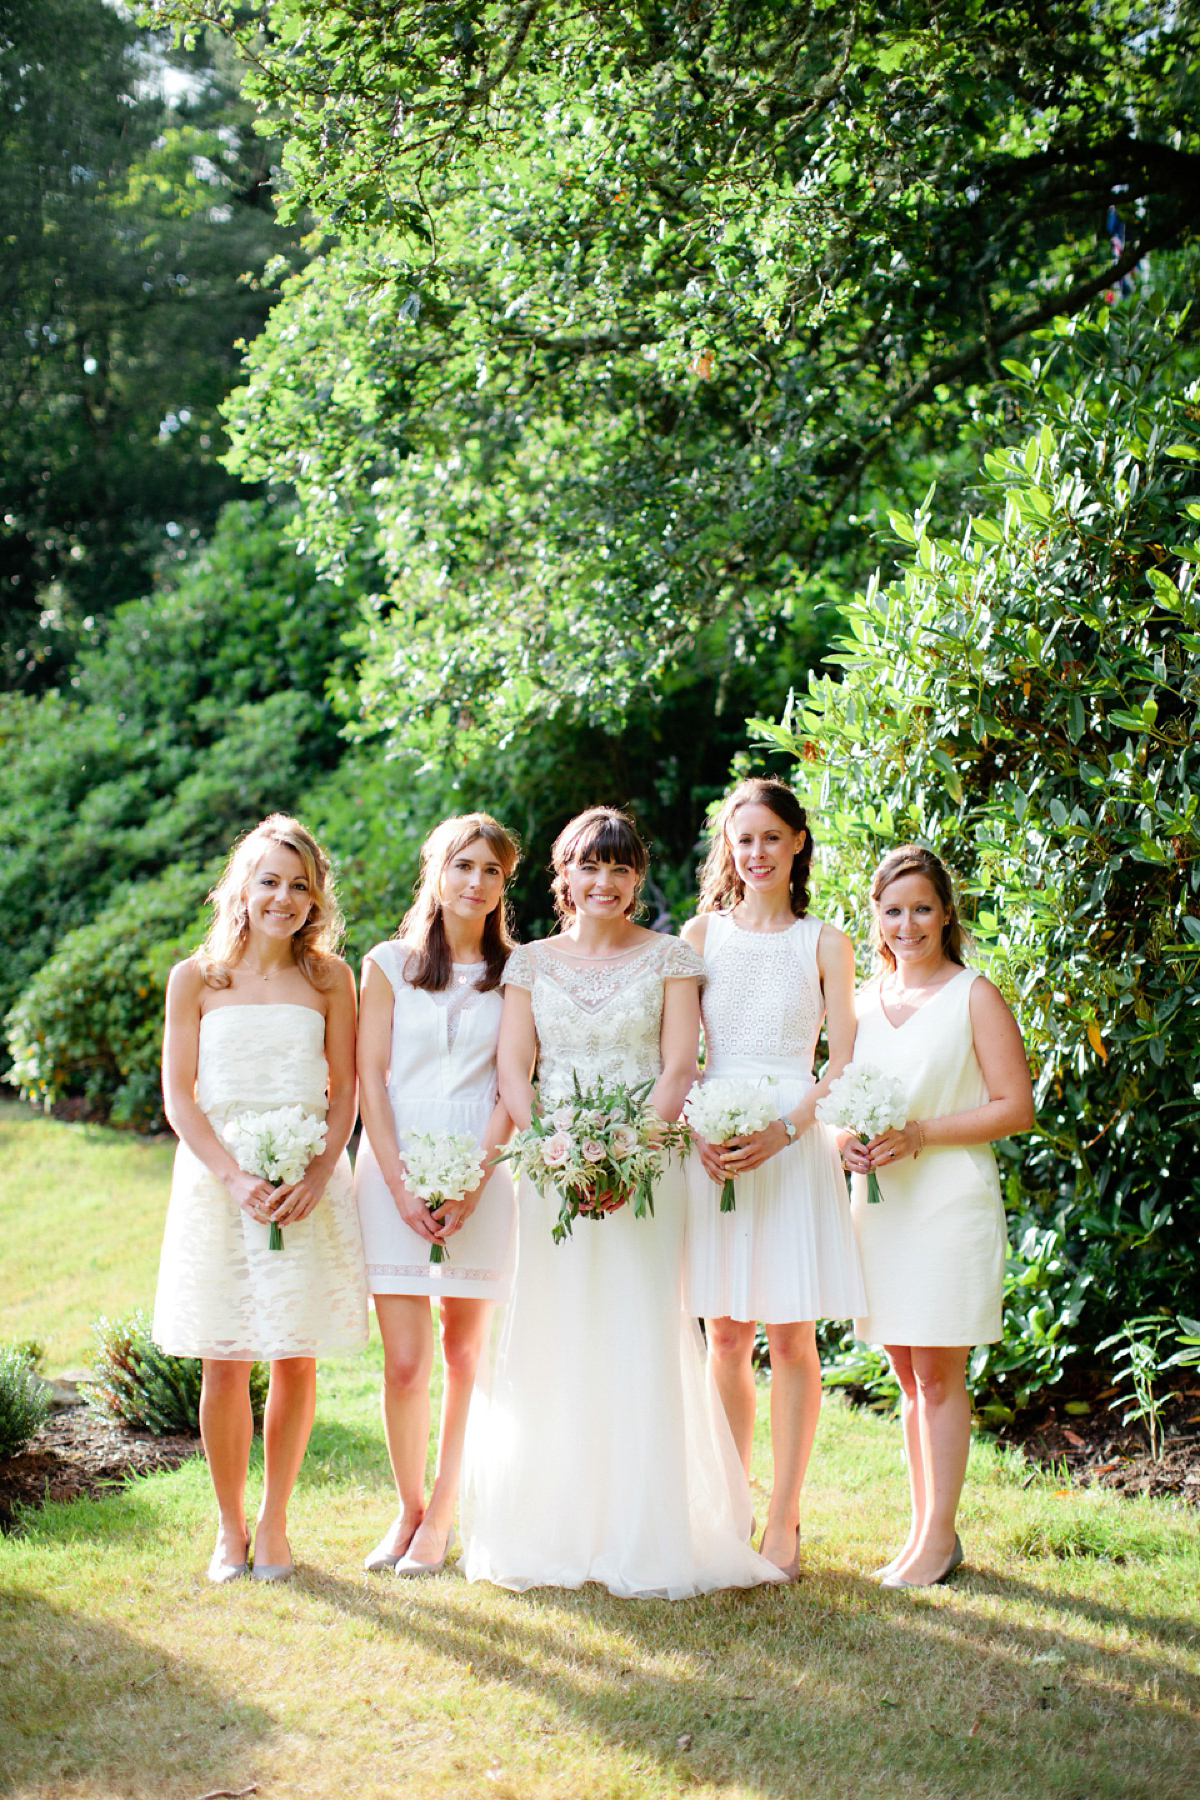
<point x="442" y="1077"/>
<point x="596" y="1455"/>
<point x="933" y="1249"/>
<point x="223" y="1292"/>
<point x="787" y="1251"/>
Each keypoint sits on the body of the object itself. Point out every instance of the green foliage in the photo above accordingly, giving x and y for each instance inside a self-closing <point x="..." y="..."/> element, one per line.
<point x="634" y="316"/>
<point x="24" y="1400"/>
<point x="90" y="1022"/>
<point x="1044" y="1298"/>
<point x="140" y="1385"/>
<point x="136" y="231"/>
<point x="1140" y="1365"/>
<point x="1025" y="700"/>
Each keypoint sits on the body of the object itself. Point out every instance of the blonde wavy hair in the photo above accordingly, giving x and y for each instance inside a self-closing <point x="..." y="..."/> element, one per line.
<point x="315" y="945"/>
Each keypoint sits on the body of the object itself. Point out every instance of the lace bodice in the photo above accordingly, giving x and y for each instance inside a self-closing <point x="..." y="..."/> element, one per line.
<point x="599" y="1020"/>
<point x="762" y="992"/>
<point x="253" y="1058"/>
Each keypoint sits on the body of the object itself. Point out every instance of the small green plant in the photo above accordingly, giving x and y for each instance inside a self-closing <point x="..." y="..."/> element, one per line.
<point x="1188" y="1355"/>
<point x="1140" y="1340"/>
<point x="139" y="1384"/>
<point x="864" y="1367"/>
<point x="24" y="1400"/>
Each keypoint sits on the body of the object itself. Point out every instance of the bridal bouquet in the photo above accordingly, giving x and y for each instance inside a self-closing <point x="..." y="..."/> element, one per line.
<point x="725" y="1108"/>
<point x="441" y="1166"/>
<point x="600" y="1150"/>
<point x="278" y="1145"/>
<point x="865" y="1101"/>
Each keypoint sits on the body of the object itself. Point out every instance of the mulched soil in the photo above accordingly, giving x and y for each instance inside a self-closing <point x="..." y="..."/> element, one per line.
<point x="78" y="1454"/>
<point x="1096" y="1450"/>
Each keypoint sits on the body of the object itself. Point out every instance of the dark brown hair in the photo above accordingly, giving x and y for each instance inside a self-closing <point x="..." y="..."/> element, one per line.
<point x="423" y="929"/>
<point x="915" y="859"/>
<point x="602" y="834"/>
<point x="314" y="946"/>
<point x="721" y="887"/>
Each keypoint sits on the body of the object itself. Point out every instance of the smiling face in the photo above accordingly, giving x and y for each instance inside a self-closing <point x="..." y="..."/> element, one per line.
<point x="601" y="890"/>
<point x="472" y="883"/>
<point x="763" y="848"/>
<point x="912" y="920"/>
<point x="278" y="894"/>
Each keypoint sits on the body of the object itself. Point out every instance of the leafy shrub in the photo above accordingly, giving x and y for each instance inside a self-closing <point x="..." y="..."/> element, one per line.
<point x="89" y="1024"/>
<point x="24" y="1400"/>
<point x="138" y="1384"/>
<point x="1024" y="699"/>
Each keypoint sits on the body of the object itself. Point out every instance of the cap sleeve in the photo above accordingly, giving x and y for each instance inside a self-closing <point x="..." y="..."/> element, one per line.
<point x="680" y="960"/>
<point x="519" y="970"/>
<point x="390" y="958"/>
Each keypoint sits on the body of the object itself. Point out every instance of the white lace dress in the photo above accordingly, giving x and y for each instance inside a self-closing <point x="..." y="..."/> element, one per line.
<point x="442" y="1077"/>
<point x="787" y="1251"/>
<point x="596" y="1457"/>
<point x="222" y="1292"/>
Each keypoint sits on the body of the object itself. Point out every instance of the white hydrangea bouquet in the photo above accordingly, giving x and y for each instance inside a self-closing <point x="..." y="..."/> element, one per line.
<point x="725" y="1107"/>
<point x="598" y="1151"/>
<point x="441" y="1166"/>
<point x="278" y="1145"/>
<point x="865" y="1101"/>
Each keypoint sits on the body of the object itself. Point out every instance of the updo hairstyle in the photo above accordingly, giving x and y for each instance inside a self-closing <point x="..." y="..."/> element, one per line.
<point x="602" y="834"/>
<point x="314" y="946"/>
<point x="423" y="927"/>
<point x="721" y="887"/>
<point x="915" y="859"/>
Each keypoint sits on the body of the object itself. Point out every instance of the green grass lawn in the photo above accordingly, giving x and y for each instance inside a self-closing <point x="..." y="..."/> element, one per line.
<point x="1064" y="1661"/>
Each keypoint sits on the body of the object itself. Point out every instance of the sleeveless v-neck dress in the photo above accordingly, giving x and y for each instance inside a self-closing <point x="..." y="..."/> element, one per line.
<point x="595" y="1455"/>
<point x="933" y="1249"/>
<point x="787" y="1251"/>
<point x="222" y="1291"/>
<point x="442" y="1077"/>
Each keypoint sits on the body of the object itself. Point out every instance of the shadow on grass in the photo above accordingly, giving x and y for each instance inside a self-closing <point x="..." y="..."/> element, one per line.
<point x="767" y="1687"/>
<point x="86" y="1703"/>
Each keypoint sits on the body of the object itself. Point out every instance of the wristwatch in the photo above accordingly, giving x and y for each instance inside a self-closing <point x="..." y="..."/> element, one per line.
<point x="788" y="1127"/>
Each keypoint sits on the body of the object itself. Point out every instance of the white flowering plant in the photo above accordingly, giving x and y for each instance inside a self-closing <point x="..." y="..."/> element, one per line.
<point x="278" y="1145"/>
<point x="598" y="1151"/>
<point x="867" y="1102"/>
<point x="724" y="1107"/>
<point x="440" y="1166"/>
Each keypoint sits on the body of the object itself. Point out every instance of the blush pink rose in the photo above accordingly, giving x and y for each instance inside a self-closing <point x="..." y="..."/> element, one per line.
<point x="593" y="1152"/>
<point x="624" y="1141"/>
<point x="556" y="1150"/>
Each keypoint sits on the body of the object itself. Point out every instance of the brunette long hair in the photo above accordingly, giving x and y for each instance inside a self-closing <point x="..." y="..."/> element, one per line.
<point x="915" y="859"/>
<point x="721" y="887"/>
<point x="423" y="928"/>
<point x="606" y="834"/>
<point x="315" y="945"/>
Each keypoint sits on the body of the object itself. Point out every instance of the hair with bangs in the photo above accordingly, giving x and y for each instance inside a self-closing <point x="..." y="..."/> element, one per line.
<point x="721" y="887"/>
<point x="601" y="834"/>
<point x="915" y="859"/>
<point x="314" y="946"/>
<point x="423" y="927"/>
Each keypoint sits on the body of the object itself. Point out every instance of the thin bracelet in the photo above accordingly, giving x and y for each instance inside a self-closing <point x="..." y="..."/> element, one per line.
<point x="921" y="1135"/>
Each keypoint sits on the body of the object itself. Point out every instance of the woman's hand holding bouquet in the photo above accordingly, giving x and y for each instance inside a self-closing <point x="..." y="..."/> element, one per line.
<point x="722" y="1109"/>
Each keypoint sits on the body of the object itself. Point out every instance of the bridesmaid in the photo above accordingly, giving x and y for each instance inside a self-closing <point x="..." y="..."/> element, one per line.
<point x="431" y="1008"/>
<point x="786" y="1255"/>
<point x="933" y="1250"/>
<point x="261" y="1017"/>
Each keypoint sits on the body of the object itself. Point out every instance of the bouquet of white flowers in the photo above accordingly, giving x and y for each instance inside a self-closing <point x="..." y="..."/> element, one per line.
<point x="865" y="1101"/>
<point x="441" y="1166"/>
<point x="600" y="1151"/>
<point x="278" y="1145"/>
<point x="724" y="1108"/>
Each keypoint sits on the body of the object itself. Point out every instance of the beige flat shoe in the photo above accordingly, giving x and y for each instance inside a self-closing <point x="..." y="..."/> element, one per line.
<point x="956" y="1561"/>
<point x="409" y="1567"/>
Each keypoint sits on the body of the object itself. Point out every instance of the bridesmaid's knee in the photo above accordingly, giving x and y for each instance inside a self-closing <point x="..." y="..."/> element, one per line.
<point x="225" y="1381"/>
<point x="794" y="1346"/>
<point x="406" y="1372"/>
<point x="729" y="1340"/>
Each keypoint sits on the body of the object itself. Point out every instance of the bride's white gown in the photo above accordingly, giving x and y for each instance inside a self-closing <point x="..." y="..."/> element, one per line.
<point x="596" y="1456"/>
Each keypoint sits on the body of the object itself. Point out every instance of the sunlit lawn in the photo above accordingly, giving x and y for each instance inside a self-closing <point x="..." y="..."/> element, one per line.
<point x="1062" y="1662"/>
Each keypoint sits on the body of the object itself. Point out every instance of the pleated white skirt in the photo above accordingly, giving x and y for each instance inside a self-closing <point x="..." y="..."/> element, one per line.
<point x="787" y="1252"/>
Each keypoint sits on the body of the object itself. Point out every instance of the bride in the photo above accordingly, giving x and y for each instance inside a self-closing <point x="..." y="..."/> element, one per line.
<point x="596" y="1457"/>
